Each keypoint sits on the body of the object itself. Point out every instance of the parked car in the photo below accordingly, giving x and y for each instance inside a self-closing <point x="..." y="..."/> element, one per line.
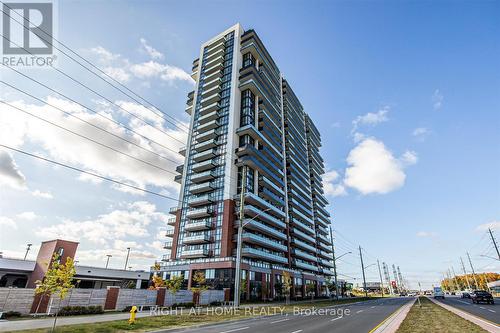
<point x="465" y="294"/>
<point x="483" y="296"/>
<point x="438" y="292"/>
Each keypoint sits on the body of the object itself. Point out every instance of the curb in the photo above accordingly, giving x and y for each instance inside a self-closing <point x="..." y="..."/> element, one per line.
<point x="483" y="323"/>
<point x="392" y="323"/>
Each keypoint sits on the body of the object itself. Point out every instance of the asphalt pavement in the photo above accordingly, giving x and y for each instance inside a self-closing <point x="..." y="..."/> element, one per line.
<point x="489" y="312"/>
<point x="348" y="318"/>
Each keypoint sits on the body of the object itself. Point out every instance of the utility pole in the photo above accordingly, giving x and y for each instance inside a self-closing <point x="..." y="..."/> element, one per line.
<point x="473" y="273"/>
<point x="237" y="276"/>
<point x="363" y="268"/>
<point x="126" y="260"/>
<point x="28" y="247"/>
<point x="494" y="242"/>
<point x="465" y="272"/>
<point x="107" y="260"/>
<point x="400" y="279"/>
<point x="381" y="281"/>
<point x="457" y="281"/>
<point x="334" y="266"/>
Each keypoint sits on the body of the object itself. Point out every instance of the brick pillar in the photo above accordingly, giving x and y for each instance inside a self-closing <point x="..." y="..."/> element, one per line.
<point x="272" y="292"/>
<point x="227" y="294"/>
<point x="264" y="287"/>
<point x="190" y="278"/>
<point x="40" y="304"/>
<point x="111" y="298"/>
<point x="160" y="296"/>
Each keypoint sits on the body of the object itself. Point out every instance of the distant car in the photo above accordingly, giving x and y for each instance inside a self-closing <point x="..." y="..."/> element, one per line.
<point x="428" y="293"/>
<point x="483" y="296"/>
<point x="438" y="292"/>
<point x="411" y="294"/>
<point x="465" y="294"/>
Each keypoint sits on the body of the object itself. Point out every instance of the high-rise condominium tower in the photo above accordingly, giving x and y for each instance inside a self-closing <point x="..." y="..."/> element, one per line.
<point x="245" y="116"/>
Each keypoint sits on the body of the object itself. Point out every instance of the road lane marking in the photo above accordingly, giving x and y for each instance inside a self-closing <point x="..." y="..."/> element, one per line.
<point x="236" y="329"/>
<point x="359" y="311"/>
<point x="371" y="307"/>
<point x="491" y="310"/>
<point x="279" y="321"/>
<point x="297" y="331"/>
<point x="463" y="302"/>
<point x="336" y="318"/>
<point x="482" y="307"/>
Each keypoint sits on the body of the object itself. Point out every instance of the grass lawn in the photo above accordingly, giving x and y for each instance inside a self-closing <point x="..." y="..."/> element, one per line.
<point x="432" y="318"/>
<point x="171" y="321"/>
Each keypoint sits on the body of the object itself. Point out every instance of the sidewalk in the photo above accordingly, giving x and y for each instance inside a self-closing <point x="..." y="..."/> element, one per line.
<point x="484" y="324"/>
<point x="392" y="323"/>
<point x="26" y="324"/>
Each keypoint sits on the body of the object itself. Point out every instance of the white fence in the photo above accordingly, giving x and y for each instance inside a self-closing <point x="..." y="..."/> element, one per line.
<point x="14" y="299"/>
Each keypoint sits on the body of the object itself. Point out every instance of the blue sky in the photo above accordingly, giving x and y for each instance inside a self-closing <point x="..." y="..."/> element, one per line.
<point x="412" y="87"/>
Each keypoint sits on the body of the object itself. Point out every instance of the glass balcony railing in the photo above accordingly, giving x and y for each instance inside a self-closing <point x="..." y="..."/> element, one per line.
<point x="200" y="200"/>
<point x="197" y="253"/>
<point x="202" y="166"/>
<point x="196" y="239"/>
<point x="304" y="255"/>
<point x="167" y="245"/>
<point x="259" y="214"/>
<point x="263" y="241"/>
<point x="304" y="265"/>
<point x="171" y="221"/>
<point x="169" y="233"/>
<point x="261" y="227"/>
<point x="202" y="176"/>
<point x="198" y="225"/>
<point x="200" y="212"/>
<point x="203" y="187"/>
<point x="303" y="245"/>
<point x="260" y="254"/>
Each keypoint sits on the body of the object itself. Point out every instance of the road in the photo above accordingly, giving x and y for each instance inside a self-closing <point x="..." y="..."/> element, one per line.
<point x="489" y="312"/>
<point x="362" y="317"/>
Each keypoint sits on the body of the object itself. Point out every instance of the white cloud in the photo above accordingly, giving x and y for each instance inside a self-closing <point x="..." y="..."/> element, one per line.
<point x="59" y="145"/>
<point x="43" y="195"/>
<point x="10" y="175"/>
<point x="493" y="225"/>
<point x="151" y="51"/>
<point x="373" y="168"/>
<point x="7" y="222"/>
<point x="437" y="99"/>
<point x="426" y="234"/>
<point x="110" y="228"/>
<point x="420" y="133"/>
<point x="123" y="70"/>
<point x="371" y="118"/>
<point x="409" y="157"/>
<point x="330" y="186"/>
<point x="27" y="216"/>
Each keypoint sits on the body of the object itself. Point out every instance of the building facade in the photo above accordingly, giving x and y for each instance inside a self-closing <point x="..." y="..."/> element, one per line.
<point x="245" y="118"/>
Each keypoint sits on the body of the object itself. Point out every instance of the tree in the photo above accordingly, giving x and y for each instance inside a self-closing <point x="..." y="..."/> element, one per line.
<point x="157" y="282"/>
<point x="287" y="286"/>
<point x="310" y="290"/>
<point x="200" y="285"/>
<point x="174" y="284"/>
<point x="57" y="281"/>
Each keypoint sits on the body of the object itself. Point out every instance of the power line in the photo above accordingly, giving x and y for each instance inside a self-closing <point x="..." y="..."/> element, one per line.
<point x="101" y="71"/>
<point x="90" y="124"/>
<point x="102" y="96"/>
<point x="90" y="109"/>
<point x="88" y="172"/>
<point x="87" y="138"/>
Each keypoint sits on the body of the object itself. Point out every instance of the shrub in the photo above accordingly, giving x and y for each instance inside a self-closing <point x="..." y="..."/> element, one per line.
<point x="216" y="303"/>
<point x="11" y="314"/>
<point x="80" y="310"/>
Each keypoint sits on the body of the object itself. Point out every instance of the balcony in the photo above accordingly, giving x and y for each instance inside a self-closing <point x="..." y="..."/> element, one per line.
<point x="209" y="91"/>
<point x="263" y="241"/>
<point x="197" y="253"/>
<point x="189" y="109"/>
<point x="211" y="134"/>
<point x="200" y="212"/>
<point x="169" y="233"/>
<point x="166" y="257"/>
<point x="200" y="188"/>
<point x="201" y="200"/>
<point x="173" y="210"/>
<point x="255" y="200"/>
<point x="208" y="117"/>
<point x="264" y="229"/>
<point x="263" y="255"/>
<point x="215" y="46"/>
<point x="198" y="225"/>
<point x="326" y="263"/>
<point x="210" y="99"/>
<point x="167" y="245"/>
<point x="303" y="245"/>
<point x="209" y="108"/>
<point x="202" y="166"/>
<point x="202" y="146"/>
<point x="205" y="155"/>
<point x="259" y="214"/>
<point x="178" y="179"/>
<point x="324" y="254"/>
<point x="297" y="233"/>
<point x="304" y="265"/>
<point x="182" y="151"/>
<point x="215" y="67"/>
<point x="202" y="176"/>
<point x="194" y="75"/>
<point x="171" y="221"/>
<point x="214" y="60"/>
<point x="196" y="239"/>
<point x="214" y="81"/>
<point x="324" y="247"/>
<point x="304" y="255"/>
<point x="180" y="168"/>
<point x="214" y="53"/>
<point x="305" y="228"/>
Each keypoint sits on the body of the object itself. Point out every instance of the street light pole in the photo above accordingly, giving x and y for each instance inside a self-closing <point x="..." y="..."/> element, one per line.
<point x="27" y="250"/>
<point x="473" y="273"/>
<point x="465" y="273"/>
<point x="126" y="260"/>
<point x="381" y="281"/>
<point x="334" y="266"/>
<point x="363" y="269"/>
<point x="237" y="277"/>
<point x="494" y="242"/>
<point x="107" y="260"/>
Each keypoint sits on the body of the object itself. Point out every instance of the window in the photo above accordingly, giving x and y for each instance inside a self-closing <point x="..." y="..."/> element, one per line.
<point x="247" y="108"/>
<point x="248" y="60"/>
<point x="210" y="274"/>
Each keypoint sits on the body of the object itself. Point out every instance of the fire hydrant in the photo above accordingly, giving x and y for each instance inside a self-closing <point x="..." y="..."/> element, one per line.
<point x="133" y="311"/>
